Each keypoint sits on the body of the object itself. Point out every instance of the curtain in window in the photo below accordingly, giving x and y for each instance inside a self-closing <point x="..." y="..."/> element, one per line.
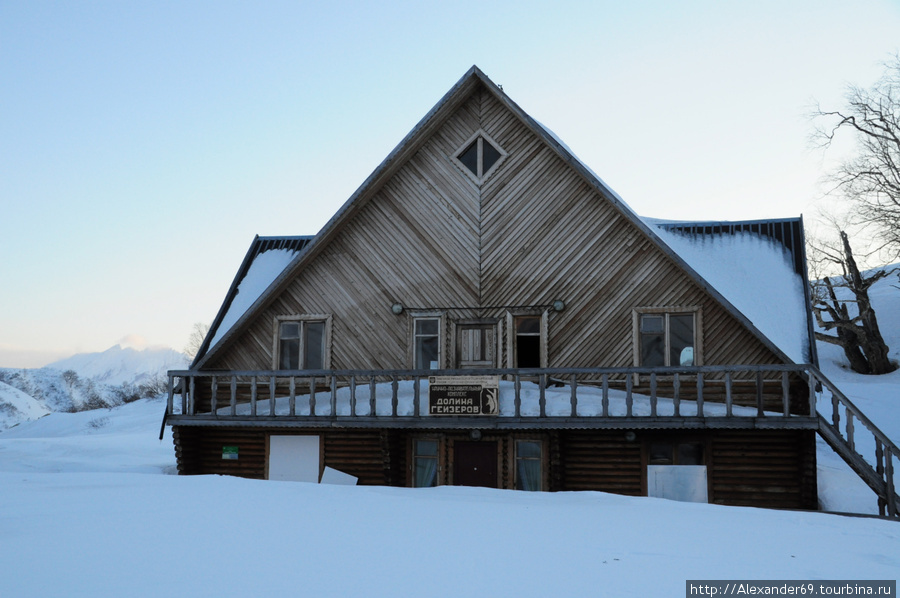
<point x="528" y="475"/>
<point x="426" y="472"/>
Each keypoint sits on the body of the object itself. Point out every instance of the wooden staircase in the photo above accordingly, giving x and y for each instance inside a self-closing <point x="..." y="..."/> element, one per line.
<point x="840" y="430"/>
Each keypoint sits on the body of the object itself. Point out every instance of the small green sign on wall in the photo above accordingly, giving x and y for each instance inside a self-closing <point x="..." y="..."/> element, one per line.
<point x="230" y="452"/>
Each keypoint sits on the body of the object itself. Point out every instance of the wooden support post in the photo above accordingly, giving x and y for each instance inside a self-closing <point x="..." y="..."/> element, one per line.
<point x="700" y="394"/>
<point x="192" y="397"/>
<point x="352" y="396"/>
<point x="835" y="412"/>
<point x="542" y="401"/>
<point x="889" y="478"/>
<point x="170" y="401"/>
<point x="373" y="412"/>
<point x="729" y="401"/>
<point x="272" y="395"/>
<point x="850" y="430"/>
<point x="760" y="407"/>
<point x="573" y="399"/>
<point x="629" y="400"/>
<point x="312" y="396"/>
<point x="676" y="391"/>
<point x="604" y="401"/>
<point x="394" y="399"/>
<point x="653" y="394"/>
<point x="518" y="398"/>
<point x="233" y="400"/>
<point x="214" y="399"/>
<point x="293" y="398"/>
<point x="785" y="395"/>
<point x="253" y="396"/>
<point x="333" y="396"/>
<point x="416" y="410"/>
<point x="813" y="409"/>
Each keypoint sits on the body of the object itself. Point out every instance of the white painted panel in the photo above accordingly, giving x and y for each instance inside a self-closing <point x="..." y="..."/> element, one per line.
<point x="339" y="478"/>
<point x="294" y="458"/>
<point x="686" y="483"/>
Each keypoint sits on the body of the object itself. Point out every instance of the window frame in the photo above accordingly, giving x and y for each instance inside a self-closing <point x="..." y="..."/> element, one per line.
<point x="439" y="460"/>
<point x="512" y="336"/>
<point x="427" y="315"/>
<point x="542" y="460"/>
<point x="666" y="312"/>
<point x="481" y="176"/>
<point x="303" y="320"/>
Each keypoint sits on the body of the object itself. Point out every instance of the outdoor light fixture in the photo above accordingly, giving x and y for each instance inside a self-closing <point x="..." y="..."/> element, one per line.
<point x="559" y="305"/>
<point x="475" y="434"/>
<point x="630" y="436"/>
<point x="397" y="309"/>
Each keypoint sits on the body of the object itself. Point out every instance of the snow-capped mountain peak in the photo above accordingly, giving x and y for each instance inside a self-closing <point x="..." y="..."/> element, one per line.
<point x="123" y="365"/>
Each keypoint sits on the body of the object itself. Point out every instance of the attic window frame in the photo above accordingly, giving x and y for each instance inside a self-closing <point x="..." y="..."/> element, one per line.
<point x="480" y="137"/>
<point x="665" y="312"/>
<point x="303" y="320"/>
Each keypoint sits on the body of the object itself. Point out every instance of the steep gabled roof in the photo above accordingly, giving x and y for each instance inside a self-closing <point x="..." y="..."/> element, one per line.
<point x="473" y="80"/>
<point x="252" y="279"/>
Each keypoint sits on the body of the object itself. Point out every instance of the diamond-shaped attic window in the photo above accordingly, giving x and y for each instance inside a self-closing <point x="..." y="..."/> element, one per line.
<point x="480" y="155"/>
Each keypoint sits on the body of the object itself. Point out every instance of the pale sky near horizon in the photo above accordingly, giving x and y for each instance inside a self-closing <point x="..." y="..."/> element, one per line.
<point x="143" y="145"/>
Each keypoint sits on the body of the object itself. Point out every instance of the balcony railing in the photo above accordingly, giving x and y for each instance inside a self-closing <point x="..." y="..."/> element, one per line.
<point x="549" y="393"/>
<point x="734" y="396"/>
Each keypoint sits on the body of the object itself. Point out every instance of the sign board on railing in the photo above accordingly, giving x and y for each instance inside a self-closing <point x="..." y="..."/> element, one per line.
<point x="464" y="395"/>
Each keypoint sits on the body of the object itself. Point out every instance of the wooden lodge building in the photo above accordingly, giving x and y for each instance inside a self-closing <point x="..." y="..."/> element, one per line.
<point x="485" y="311"/>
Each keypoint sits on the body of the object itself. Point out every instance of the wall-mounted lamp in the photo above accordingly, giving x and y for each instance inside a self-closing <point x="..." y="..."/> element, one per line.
<point x="397" y="309"/>
<point x="630" y="436"/>
<point x="475" y="434"/>
<point x="559" y="305"/>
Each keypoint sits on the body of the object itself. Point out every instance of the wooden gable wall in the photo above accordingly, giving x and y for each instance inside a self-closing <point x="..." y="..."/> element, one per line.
<point x="533" y="232"/>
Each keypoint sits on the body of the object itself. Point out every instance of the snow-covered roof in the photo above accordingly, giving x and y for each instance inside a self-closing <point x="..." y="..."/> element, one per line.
<point x="759" y="266"/>
<point x="266" y="259"/>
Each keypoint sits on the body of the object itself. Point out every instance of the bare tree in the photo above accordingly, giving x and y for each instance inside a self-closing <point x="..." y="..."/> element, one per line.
<point x="870" y="179"/>
<point x="841" y="305"/>
<point x="195" y="340"/>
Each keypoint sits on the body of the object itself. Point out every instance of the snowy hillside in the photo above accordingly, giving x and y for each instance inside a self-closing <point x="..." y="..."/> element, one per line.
<point x="17" y="407"/>
<point x="85" y="381"/>
<point x="123" y="365"/>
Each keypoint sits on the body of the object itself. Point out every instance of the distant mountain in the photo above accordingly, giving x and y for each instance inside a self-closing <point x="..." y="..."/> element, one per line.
<point x="85" y="381"/>
<point x="119" y="365"/>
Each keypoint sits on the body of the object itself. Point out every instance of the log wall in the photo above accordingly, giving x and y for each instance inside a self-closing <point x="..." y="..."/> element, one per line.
<point x="772" y="469"/>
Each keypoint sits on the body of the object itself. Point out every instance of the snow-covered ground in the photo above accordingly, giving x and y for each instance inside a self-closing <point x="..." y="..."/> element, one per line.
<point x="87" y="508"/>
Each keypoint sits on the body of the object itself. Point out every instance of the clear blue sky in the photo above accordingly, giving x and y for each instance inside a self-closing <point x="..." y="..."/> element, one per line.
<point x="143" y="144"/>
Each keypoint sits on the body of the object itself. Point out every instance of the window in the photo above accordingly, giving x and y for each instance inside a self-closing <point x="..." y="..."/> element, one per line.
<point x="479" y="156"/>
<point x="426" y="343"/>
<point x="527" y="347"/>
<point x="666" y="338"/>
<point x="302" y="343"/>
<point x="528" y="465"/>
<point x="676" y="470"/>
<point x="425" y="463"/>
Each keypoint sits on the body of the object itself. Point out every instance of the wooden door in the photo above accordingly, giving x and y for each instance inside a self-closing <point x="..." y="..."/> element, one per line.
<point x="475" y="463"/>
<point x="476" y="346"/>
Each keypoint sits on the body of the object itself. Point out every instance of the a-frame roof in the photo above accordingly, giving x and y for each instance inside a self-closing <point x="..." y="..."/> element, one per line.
<point x="472" y="81"/>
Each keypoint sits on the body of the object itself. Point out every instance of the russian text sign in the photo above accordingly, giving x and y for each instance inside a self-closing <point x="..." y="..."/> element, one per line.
<point x="464" y="395"/>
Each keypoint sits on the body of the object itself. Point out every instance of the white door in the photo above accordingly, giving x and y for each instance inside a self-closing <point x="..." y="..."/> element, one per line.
<point x="294" y="458"/>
